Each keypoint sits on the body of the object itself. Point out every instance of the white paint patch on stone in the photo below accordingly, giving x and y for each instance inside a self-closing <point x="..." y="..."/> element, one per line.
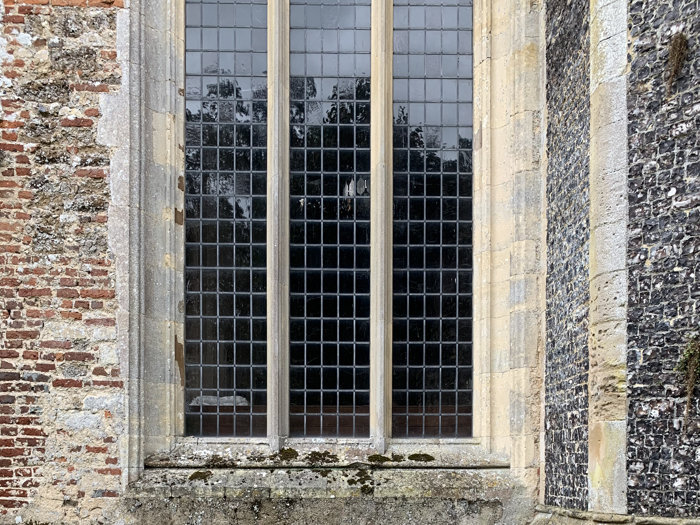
<point x="78" y="420"/>
<point x="61" y="330"/>
<point x="114" y="403"/>
<point x="24" y="39"/>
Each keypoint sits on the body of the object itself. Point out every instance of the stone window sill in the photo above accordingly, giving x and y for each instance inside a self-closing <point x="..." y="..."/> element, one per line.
<point x="212" y="453"/>
<point x="320" y="483"/>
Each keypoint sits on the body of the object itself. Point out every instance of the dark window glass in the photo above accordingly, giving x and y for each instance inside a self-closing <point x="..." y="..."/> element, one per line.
<point x="329" y="226"/>
<point x="225" y="328"/>
<point x="432" y="330"/>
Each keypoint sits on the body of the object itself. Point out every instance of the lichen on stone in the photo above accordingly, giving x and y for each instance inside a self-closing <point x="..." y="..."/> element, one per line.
<point x="364" y="480"/>
<point x="316" y="458"/>
<point x="200" y="475"/>
<point x="421" y="457"/>
<point x="689" y="367"/>
<point x="286" y="454"/>
<point x="378" y="458"/>
<point x="676" y="58"/>
<point x="217" y="461"/>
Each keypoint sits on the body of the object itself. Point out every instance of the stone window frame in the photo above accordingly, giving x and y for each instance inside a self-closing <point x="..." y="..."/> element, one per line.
<point x="148" y="199"/>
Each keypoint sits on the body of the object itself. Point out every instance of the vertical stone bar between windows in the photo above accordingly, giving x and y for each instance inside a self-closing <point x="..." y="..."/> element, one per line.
<point x="381" y="220"/>
<point x="278" y="222"/>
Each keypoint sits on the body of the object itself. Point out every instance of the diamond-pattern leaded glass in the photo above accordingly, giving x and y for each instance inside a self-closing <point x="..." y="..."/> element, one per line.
<point x="432" y="301"/>
<point x="225" y="162"/>
<point x="329" y="224"/>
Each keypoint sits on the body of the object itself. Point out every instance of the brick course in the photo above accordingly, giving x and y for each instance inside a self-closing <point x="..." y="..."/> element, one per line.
<point x="58" y="430"/>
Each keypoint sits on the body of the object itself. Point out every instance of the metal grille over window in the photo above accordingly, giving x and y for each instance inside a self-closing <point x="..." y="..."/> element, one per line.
<point x="432" y="294"/>
<point x="329" y="218"/>
<point x="225" y="161"/>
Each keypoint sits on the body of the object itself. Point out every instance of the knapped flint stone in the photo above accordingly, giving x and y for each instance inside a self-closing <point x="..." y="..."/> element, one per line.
<point x="663" y="249"/>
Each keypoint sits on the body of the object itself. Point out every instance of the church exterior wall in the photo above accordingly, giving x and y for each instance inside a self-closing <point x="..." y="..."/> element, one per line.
<point x="586" y="242"/>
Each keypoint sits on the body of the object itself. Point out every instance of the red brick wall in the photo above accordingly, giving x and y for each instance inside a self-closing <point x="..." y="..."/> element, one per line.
<point x="61" y="391"/>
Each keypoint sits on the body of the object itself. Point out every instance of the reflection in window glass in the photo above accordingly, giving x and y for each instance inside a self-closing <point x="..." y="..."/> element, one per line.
<point x="329" y="218"/>
<point x="432" y="297"/>
<point x="225" y="162"/>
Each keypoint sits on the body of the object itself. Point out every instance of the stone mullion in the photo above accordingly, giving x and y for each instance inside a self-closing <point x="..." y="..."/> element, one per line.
<point x="278" y="222"/>
<point x="381" y="220"/>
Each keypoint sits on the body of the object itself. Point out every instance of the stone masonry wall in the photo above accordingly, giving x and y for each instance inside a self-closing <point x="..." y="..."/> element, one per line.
<point x="566" y="369"/>
<point x="61" y="391"/>
<point x="663" y="257"/>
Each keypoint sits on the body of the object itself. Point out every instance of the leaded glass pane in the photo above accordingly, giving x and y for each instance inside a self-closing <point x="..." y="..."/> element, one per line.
<point x="329" y="218"/>
<point x="432" y="296"/>
<point x="225" y="181"/>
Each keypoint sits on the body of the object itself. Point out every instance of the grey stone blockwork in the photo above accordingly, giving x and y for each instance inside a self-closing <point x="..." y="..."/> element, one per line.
<point x="663" y="257"/>
<point x="566" y="373"/>
<point x="361" y="495"/>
